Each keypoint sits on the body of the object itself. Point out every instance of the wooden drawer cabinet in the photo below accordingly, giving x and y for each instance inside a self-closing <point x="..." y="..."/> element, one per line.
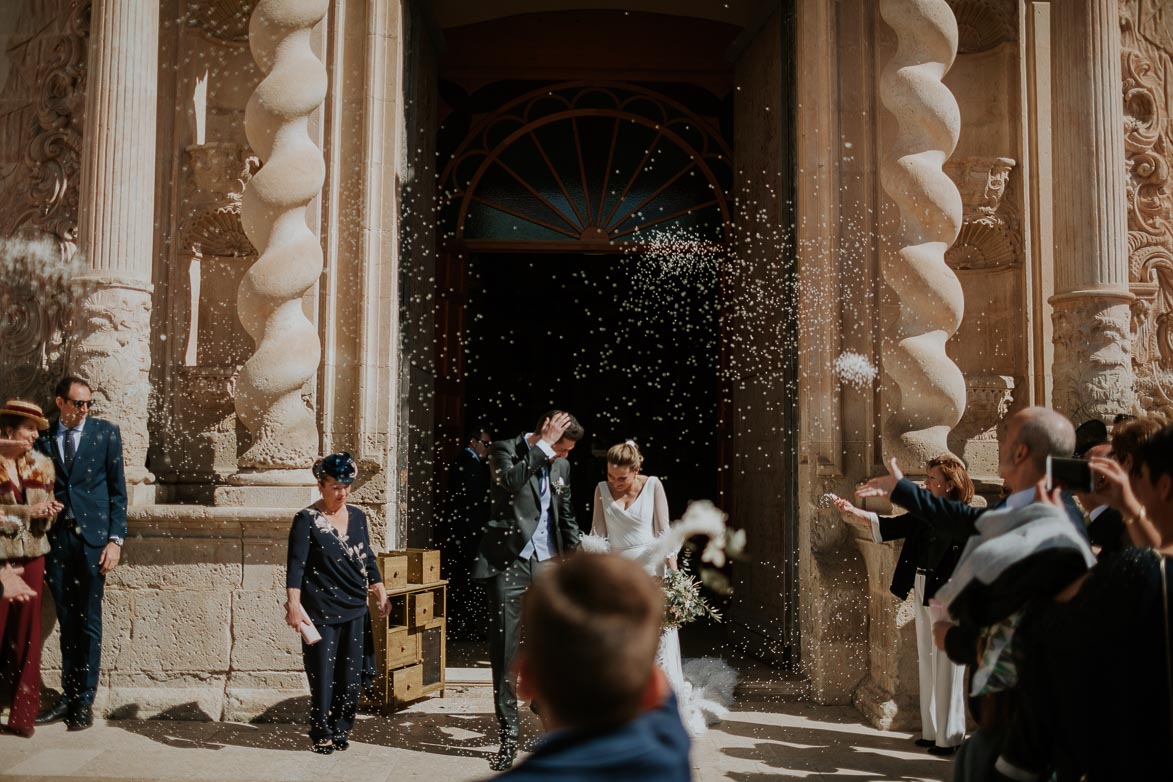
<point x="410" y="644"/>
<point x="406" y="684"/>
<point x="421" y="608"/>
<point x="403" y="647"/>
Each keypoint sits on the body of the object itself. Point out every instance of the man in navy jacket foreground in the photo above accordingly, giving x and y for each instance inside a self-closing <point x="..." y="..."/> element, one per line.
<point x="592" y="626"/>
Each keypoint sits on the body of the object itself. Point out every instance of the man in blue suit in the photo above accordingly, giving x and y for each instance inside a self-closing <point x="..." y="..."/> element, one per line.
<point x="592" y="628"/>
<point x="87" y="541"/>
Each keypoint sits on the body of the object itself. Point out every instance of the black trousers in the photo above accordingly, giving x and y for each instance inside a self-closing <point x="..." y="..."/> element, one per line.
<point x="505" y="592"/>
<point x="334" y="668"/>
<point x="78" y="586"/>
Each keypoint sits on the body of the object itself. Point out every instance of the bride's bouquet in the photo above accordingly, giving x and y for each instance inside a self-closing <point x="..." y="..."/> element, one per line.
<point x="683" y="601"/>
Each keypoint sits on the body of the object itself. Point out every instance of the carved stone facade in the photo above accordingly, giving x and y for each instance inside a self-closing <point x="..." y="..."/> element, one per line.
<point x="332" y="245"/>
<point x="1147" y="70"/>
<point x="41" y="136"/>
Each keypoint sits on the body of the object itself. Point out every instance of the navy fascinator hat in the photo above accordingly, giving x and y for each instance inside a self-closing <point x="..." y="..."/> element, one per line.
<point x="339" y="466"/>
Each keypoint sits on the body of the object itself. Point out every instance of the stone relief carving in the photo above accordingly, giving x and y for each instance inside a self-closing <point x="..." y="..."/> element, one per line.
<point x="40" y="199"/>
<point x="1095" y="333"/>
<point x="201" y="447"/>
<point x="990" y="236"/>
<point x="983" y="24"/>
<point x="111" y="340"/>
<point x="1147" y="72"/>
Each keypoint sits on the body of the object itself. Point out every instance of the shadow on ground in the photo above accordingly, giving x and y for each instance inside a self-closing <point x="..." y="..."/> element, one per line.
<point x="431" y="732"/>
<point x="822" y="752"/>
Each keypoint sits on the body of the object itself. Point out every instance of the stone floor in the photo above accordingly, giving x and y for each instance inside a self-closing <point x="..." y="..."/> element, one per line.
<point x="449" y="739"/>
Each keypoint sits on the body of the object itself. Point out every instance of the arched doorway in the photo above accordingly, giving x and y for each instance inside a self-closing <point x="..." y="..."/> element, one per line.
<point x="573" y="214"/>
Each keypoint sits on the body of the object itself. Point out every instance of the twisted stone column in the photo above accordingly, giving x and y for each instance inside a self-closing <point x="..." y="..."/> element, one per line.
<point x="927" y="392"/>
<point x="116" y="230"/>
<point x="269" y="391"/>
<point x="1093" y="351"/>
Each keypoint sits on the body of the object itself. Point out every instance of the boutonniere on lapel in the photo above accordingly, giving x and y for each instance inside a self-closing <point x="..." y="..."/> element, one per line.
<point x="560" y="486"/>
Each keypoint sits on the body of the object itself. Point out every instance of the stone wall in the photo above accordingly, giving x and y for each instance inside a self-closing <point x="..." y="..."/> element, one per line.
<point x="194" y="626"/>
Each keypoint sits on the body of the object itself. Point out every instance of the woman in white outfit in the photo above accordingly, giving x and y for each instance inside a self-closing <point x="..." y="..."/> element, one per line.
<point x="631" y="512"/>
<point x="931" y="550"/>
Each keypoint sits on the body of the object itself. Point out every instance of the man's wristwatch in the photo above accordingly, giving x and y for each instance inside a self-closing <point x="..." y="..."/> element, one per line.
<point x="116" y="539"/>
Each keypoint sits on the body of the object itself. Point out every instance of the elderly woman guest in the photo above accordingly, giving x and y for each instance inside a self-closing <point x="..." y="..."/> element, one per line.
<point x="331" y="567"/>
<point x="27" y="510"/>
<point x="929" y="555"/>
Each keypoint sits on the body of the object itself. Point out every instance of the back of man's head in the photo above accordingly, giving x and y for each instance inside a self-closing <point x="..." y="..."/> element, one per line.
<point x="1045" y="433"/>
<point x="592" y="627"/>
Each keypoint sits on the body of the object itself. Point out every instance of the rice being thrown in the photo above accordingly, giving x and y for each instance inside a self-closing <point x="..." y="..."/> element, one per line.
<point x="855" y="369"/>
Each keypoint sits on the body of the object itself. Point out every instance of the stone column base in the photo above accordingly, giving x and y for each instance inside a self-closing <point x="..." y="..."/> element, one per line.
<point x="1093" y="355"/>
<point x="111" y="349"/>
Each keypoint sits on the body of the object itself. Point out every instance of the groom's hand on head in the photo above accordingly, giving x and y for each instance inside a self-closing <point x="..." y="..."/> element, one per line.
<point x="554" y="427"/>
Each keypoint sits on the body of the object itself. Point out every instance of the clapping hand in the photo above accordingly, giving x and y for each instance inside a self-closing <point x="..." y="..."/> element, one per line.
<point x="883" y="485"/>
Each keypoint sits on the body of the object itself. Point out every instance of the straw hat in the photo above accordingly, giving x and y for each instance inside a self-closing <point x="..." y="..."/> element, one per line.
<point x="27" y="410"/>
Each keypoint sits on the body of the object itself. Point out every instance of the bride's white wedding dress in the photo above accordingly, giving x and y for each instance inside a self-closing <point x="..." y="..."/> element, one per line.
<point x="632" y="532"/>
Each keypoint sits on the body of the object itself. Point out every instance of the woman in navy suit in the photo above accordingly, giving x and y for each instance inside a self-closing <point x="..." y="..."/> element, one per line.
<point x="331" y="568"/>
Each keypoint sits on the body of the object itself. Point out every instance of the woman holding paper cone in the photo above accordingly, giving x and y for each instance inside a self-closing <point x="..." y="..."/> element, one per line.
<point x="331" y="568"/>
<point x="930" y="553"/>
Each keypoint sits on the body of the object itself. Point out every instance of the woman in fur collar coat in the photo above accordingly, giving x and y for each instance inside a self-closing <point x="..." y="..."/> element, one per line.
<point x="27" y="510"/>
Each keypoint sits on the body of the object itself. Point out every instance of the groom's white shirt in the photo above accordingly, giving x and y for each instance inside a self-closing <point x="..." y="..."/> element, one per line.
<point x="539" y="544"/>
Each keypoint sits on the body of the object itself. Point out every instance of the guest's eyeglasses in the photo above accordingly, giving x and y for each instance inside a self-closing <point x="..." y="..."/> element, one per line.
<point x="486" y="442"/>
<point x="78" y="404"/>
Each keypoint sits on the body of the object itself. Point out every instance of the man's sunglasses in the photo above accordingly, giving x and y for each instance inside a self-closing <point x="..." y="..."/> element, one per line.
<point x="78" y="404"/>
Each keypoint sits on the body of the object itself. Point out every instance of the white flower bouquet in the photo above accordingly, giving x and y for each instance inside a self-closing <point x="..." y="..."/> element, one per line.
<point x="683" y="602"/>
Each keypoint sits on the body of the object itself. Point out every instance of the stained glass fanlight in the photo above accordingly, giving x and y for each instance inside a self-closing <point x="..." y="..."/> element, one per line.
<point x="597" y="165"/>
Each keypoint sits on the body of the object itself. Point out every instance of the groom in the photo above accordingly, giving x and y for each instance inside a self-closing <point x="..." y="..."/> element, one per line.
<point x="531" y="522"/>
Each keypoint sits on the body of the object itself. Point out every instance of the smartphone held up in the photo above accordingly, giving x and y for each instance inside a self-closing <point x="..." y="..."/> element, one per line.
<point x="1070" y="474"/>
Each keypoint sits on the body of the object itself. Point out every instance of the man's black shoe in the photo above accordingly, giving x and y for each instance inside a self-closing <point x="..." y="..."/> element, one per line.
<point x="505" y="756"/>
<point x="942" y="751"/>
<point x="58" y="712"/>
<point x="926" y="743"/>
<point x="80" y="717"/>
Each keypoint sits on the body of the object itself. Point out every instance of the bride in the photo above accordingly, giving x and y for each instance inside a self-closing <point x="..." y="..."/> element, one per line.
<point x="631" y="512"/>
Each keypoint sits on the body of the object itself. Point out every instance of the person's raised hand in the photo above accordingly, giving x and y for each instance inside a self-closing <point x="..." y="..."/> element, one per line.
<point x="1044" y="497"/>
<point x="850" y="512"/>
<point x="554" y="427"/>
<point x="883" y="485"/>
<point x="1117" y="489"/>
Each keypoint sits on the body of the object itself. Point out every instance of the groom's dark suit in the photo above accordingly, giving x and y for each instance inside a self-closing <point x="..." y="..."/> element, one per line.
<point x="524" y="479"/>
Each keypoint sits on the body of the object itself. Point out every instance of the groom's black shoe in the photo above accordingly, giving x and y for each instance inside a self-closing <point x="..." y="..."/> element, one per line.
<point x="80" y="717"/>
<point x="505" y="756"/>
<point x="56" y="713"/>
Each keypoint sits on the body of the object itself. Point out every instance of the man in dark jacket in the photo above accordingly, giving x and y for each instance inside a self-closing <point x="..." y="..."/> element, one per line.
<point x="532" y="523"/>
<point x="592" y="627"/>
<point x="465" y="517"/>
<point x="87" y="541"/>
